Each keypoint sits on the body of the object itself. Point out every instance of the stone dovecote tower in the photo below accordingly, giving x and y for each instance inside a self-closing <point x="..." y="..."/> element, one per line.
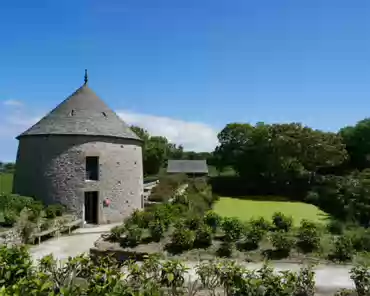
<point x="83" y="156"/>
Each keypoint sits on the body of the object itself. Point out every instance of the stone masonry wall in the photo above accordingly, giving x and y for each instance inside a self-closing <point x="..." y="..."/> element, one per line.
<point x="52" y="169"/>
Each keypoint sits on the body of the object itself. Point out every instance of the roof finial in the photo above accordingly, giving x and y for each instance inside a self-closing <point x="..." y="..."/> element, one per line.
<point x="86" y="78"/>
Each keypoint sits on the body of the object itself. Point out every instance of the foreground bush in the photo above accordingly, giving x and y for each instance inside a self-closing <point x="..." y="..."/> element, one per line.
<point x="104" y="276"/>
<point x="343" y="249"/>
<point x="213" y="220"/>
<point x="252" y="238"/>
<point x="261" y="223"/>
<point x="282" y="222"/>
<point x="156" y="229"/>
<point x="133" y="235"/>
<point x="308" y="238"/>
<point x="232" y="228"/>
<point x="53" y="211"/>
<point x="182" y="239"/>
<point x="282" y="242"/>
<point x="360" y="238"/>
<point x="203" y="236"/>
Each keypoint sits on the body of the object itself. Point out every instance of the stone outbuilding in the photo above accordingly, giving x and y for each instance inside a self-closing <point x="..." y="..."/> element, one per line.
<point x="83" y="156"/>
<point x="192" y="168"/>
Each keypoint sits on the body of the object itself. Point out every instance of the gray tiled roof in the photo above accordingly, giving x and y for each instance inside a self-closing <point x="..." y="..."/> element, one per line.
<point x="187" y="166"/>
<point x="82" y="113"/>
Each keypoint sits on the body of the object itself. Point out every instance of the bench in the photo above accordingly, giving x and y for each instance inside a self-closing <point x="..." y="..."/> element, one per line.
<point x="74" y="223"/>
<point x="39" y="235"/>
<point x="67" y="227"/>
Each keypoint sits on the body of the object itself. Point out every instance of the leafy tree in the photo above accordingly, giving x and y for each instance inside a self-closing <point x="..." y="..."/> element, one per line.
<point x="279" y="153"/>
<point x="357" y="141"/>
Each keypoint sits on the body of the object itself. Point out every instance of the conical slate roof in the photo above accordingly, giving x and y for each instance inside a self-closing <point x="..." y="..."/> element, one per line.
<point x="82" y="113"/>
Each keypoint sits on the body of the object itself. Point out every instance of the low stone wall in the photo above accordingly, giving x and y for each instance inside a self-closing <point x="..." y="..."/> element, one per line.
<point x="10" y="237"/>
<point x="118" y="254"/>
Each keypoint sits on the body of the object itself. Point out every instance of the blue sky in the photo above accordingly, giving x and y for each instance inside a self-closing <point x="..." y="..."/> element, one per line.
<point x="184" y="69"/>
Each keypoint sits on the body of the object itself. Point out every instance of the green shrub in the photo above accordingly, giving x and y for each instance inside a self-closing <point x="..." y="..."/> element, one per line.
<point x="361" y="277"/>
<point x="252" y="238"/>
<point x="156" y="229"/>
<point x="282" y="222"/>
<point x="308" y="237"/>
<point x="232" y="228"/>
<point x="182" y="239"/>
<point x="116" y="232"/>
<point x="16" y="263"/>
<point x="10" y="217"/>
<point x="14" y="202"/>
<point x="133" y="235"/>
<point x="261" y="223"/>
<point x="335" y="227"/>
<point x="343" y="249"/>
<point x="282" y="241"/>
<point x="226" y="249"/>
<point x="360" y="238"/>
<point x="346" y="292"/>
<point x="193" y="222"/>
<point x="53" y="211"/>
<point x="203" y="236"/>
<point x="164" y="213"/>
<point x="212" y="219"/>
<point x="36" y="208"/>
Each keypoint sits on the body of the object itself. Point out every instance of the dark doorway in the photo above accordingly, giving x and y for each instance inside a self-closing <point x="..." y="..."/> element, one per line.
<point x="91" y="207"/>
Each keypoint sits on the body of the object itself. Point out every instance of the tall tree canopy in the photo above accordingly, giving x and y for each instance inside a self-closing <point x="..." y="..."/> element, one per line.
<point x="277" y="151"/>
<point x="357" y="140"/>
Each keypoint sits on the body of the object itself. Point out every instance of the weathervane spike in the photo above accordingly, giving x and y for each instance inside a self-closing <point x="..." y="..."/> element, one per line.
<point x="86" y="77"/>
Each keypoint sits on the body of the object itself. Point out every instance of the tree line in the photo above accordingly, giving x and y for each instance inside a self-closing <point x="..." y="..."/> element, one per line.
<point x="157" y="150"/>
<point x="329" y="169"/>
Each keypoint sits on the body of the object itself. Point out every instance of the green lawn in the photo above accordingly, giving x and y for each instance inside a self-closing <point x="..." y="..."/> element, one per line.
<point x="245" y="209"/>
<point x="6" y="182"/>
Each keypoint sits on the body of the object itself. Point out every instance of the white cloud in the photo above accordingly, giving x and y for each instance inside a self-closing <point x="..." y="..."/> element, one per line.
<point x="13" y="103"/>
<point x="195" y="136"/>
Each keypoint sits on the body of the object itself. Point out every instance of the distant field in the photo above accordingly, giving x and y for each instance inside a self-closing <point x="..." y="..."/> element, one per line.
<point x="6" y="182"/>
<point x="246" y="209"/>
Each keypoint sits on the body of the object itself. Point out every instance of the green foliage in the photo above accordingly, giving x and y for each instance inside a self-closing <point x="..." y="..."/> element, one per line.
<point x="261" y="223"/>
<point x="182" y="239"/>
<point x="104" y="276"/>
<point x="360" y="238"/>
<point x="156" y="229"/>
<point x="203" y="236"/>
<point x="55" y="210"/>
<point x="232" y="228"/>
<point x="308" y="238"/>
<point x="14" y="202"/>
<point x="16" y="263"/>
<point x="133" y="235"/>
<point x="212" y="219"/>
<point x="35" y="210"/>
<point x="116" y="232"/>
<point x="335" y="227"/>
<point x="282" y="222"/>
<point x="193" y="221"/>
<point x="277" y="153"/>
<point x="10" y="217"/>
<point x="361" y="277"/>
<point x="252" y="237"/>
<point x="282" y="242"/>
<point x="343" y="249"/>
<point x="346" y="198"/>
